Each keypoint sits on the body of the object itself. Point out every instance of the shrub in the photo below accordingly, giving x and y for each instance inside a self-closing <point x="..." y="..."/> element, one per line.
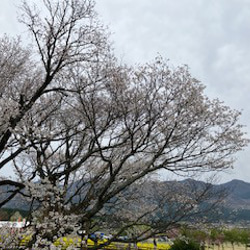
<point x="185" y="245"/>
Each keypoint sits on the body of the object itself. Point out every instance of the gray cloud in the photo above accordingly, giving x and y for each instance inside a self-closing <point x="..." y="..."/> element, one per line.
<point x="8" y="17"/>
<point x="212" y="37"/>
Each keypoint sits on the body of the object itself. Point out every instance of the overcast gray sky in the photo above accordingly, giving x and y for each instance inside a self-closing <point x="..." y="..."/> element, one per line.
<point x="212" y="37"/>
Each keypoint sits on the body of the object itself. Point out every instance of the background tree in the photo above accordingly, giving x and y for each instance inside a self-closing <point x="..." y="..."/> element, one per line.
<point x="243" y="237"/>
<point x="85" y="135"/>
<point x="16" y="217"/>
<point x="232" y="236"/>
<point x="4" y="216"/>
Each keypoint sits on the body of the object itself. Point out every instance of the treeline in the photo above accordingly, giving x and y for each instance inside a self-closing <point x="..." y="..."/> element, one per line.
<point x="8" y="214"/>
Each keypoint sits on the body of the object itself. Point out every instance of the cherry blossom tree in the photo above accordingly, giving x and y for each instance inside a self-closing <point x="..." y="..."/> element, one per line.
<point x="85" y="135"/>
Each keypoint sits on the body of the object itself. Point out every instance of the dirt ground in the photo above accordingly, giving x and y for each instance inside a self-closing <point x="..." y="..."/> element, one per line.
<point x="227" y="247"/>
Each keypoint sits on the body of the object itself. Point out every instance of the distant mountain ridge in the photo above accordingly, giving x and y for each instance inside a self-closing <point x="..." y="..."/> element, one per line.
<point x="238" y="197"/>
<point x="238" y="194"/>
